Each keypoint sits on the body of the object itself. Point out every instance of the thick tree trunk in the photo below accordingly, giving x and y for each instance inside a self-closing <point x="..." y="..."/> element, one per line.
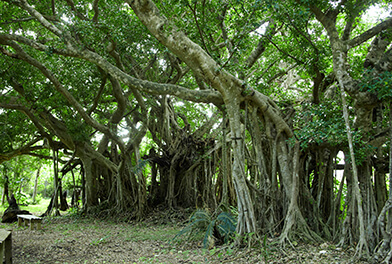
<point x="63" y="199"/>
<point x="294" y="222"/>
<point x="246" y="216"/>
<point x="91" y="198"/>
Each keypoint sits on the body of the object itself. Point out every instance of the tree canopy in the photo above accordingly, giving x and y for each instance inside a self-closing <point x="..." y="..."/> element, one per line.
<point x="210" y="104"/>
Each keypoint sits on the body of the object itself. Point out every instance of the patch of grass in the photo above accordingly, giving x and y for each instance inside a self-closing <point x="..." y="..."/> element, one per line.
<point x="36" y="209"/>
<point x="3" y="207"/>
<point x="146" y="260"/>
<point x="156" y="233"/>
<point x="132" y="242"/>
<point x="39" y="208"/>
<point x="101" y="240"/>
<point x="59" y="241"/>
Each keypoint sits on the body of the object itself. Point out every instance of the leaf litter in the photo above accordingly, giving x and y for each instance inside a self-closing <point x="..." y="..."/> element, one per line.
<point x="87" y="240"/>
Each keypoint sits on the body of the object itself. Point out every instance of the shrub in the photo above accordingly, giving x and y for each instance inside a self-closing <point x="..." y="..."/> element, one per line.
<point x="217" y="228"/>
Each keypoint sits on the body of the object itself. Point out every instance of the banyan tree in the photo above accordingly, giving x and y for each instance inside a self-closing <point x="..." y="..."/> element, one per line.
<point x="280" y="109"/>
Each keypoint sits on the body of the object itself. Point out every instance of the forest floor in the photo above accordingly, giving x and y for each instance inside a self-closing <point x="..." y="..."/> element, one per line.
<point x="75" y="239"/>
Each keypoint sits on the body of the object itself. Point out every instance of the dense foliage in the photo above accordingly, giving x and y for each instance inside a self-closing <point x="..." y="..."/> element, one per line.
<point x="206" y="104"/>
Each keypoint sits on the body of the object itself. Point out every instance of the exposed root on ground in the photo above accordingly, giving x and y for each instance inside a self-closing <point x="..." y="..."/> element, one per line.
<point x="296" y="228"/>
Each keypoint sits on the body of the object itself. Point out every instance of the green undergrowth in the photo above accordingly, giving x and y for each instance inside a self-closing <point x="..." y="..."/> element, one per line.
<point x="168" y="236"/>
<point x="217" y="227"/>
<point x="107" y="235"/>
<point x="126" y="231"/>
<point x="157" y="233"/>
<point x="36" y="209"/>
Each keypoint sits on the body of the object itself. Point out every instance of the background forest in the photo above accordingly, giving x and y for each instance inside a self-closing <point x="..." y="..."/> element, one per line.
<point x="278" y="110"/>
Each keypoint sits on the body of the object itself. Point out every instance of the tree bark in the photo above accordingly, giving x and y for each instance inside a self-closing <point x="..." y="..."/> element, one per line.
<point x="246" y="216"/>
<point x="362" y="244"/>
<point x="91" y="199"/>
<point x="6" y="190"/>
<point x="36" y="184"/>
<point x="55" y="180"/>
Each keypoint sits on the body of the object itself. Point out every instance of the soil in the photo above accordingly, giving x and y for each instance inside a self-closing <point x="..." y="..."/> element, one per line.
<point x="85" y="240"/>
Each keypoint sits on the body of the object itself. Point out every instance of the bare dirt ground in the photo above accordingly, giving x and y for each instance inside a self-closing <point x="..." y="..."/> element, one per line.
<point x="86" y="240"/>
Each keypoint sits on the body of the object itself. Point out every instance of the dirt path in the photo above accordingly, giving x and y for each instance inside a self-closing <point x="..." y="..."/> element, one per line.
<point x="69" y="240"/>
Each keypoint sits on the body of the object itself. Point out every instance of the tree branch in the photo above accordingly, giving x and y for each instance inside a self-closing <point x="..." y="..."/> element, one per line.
<point x="34" y="44"/>
<point x="77" y="13"/>
<point x="67" y="95"/>
<point x="96" y="11"/>
<point x="29" y="114"/>
<point x="184" y="48"/>
<point x="39" y="17"/>
<point x="386" y="24"/>
<point x="99" y="94"/>
<point x="145" y="86"/>
<point x="24" y="150"/>
<point x="264" y="40"/>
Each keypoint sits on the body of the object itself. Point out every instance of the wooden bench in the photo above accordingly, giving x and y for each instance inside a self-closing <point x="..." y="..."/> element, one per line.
<point x="6" y="246"/>
<point x="34" y="221"/>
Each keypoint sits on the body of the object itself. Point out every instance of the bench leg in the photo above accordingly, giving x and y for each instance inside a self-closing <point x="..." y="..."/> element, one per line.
<point x="1" y="251"/>
<point x="36" y="224"/>
<point x="8" y="249"/>
<point x="20" y="221"/>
